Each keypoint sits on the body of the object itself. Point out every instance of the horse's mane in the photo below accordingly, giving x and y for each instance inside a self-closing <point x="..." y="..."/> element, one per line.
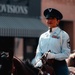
<point x="24" y="68"/>
<point x="30" y="66"/>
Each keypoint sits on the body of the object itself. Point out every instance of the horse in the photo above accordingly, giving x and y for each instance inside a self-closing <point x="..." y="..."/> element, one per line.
<point x="71" y="63"/>
<point x="71" y="60"/>
<point x="5" y="63"/>
<point x="26" y="68"/>
<point x="21" y="68"/>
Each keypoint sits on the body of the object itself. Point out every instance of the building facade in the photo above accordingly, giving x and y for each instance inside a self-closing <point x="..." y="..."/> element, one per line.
<point x="67" y="7"/>
<point x="20" y="19"/>
<point x="24" y="20"/>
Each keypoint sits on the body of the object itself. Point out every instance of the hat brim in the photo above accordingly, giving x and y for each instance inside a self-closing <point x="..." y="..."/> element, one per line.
<point x="51" y="12"/>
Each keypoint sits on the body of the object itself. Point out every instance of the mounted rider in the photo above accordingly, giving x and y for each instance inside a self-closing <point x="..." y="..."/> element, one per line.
<point x="56" y="40"/>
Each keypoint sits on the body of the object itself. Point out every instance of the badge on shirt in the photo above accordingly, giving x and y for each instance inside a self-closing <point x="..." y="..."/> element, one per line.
<point x="68" y="43"/>
<point x="54" y="36"/>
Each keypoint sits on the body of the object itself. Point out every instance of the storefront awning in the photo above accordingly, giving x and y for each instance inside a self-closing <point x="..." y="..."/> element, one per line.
<point x="21" y="27"/>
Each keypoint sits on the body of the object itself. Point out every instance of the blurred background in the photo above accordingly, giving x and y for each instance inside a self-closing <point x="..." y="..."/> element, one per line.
<point x="22" y="22"/>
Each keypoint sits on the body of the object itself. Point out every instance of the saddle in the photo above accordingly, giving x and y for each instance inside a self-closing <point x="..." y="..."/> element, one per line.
<point x="47" y="67"/>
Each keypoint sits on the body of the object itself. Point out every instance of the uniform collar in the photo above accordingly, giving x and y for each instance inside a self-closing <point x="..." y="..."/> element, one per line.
<point x="53" y="29"/>
<point x="55" y="32"/>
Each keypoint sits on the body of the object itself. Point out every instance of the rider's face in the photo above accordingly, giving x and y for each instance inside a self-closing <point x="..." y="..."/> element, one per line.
<point x="52" y="22"/>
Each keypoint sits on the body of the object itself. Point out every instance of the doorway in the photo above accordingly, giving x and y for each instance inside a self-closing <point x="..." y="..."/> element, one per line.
<point x="30" y="45"/>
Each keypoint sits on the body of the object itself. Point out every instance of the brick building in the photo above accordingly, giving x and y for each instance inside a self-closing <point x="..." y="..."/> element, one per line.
<point x="67" y="7"/>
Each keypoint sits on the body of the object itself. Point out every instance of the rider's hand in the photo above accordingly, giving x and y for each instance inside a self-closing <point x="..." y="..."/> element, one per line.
<point x="38" y="64"/>
<point x="50" y="55"/>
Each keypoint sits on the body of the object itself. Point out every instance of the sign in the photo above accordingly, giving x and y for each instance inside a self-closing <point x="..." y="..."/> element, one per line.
<point x="16" y="9"/>
<point x="20" y="8"/>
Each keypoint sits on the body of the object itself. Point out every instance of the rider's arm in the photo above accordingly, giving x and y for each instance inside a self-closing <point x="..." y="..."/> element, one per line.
<point x="38" y="54"/>
<point x="65" y="52"/>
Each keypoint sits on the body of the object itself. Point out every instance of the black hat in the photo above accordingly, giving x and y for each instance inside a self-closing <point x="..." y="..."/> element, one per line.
<point x="51" y="12"/>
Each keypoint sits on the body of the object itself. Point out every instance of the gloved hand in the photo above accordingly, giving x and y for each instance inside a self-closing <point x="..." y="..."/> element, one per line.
<point x="38" y="64"/>
<point x="50" y="55"/>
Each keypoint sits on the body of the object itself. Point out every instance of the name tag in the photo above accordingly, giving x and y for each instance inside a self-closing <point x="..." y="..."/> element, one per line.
<point x="54" y="36"/>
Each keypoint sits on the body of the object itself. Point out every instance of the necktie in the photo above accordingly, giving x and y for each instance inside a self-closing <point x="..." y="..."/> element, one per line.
<point x="50" y="29"/>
